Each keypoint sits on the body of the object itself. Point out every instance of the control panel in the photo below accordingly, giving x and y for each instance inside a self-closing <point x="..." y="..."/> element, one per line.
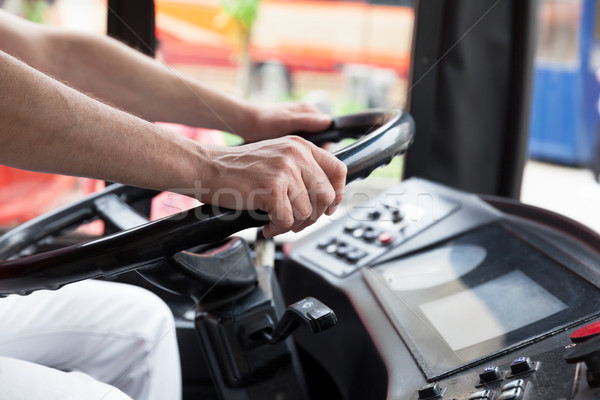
<point x="463" y="298"/>
<point x="373" y="229"/>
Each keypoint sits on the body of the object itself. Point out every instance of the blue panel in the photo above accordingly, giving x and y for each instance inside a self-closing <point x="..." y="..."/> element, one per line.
<point x="564" y="113"/>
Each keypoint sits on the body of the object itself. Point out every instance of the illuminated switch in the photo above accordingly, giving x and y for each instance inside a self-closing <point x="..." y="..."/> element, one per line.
<point x="521" y="365"/>
<point x="490" y="374"/>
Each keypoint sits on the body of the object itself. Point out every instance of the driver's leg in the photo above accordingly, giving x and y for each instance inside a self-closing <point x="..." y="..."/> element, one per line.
<point x="22" y="380"/>
<point x="118" y="334"/>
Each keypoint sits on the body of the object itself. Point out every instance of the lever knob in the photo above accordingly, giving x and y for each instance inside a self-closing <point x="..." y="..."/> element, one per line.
<point x="309" y="312"/>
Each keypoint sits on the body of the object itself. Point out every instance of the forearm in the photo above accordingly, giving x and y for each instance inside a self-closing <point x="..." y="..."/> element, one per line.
<point x="47" y="126"/>
<point x="123" y="77"/>
<point x="138" y="84"/>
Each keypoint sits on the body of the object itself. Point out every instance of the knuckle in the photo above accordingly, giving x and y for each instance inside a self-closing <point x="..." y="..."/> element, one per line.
<point x="287" y="222"/>
<point x="305" y="212"/>
<point x="339" y="170"/>
<point x="326" y="196"/>
<point x="297" y="139"/>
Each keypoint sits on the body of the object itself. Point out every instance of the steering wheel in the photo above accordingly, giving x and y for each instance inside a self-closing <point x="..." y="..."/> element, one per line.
<point x="141" y="244"/>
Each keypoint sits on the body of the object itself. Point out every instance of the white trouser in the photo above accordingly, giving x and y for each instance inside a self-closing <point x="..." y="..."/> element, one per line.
<point x="62" y="344"/>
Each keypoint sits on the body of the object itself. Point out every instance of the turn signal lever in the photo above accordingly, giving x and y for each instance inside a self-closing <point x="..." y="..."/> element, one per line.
<point x="309" y="312"/>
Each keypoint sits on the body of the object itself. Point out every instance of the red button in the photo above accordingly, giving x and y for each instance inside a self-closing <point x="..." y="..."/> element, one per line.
<point x="385" y="238"/>
<point x="585" y="333"/>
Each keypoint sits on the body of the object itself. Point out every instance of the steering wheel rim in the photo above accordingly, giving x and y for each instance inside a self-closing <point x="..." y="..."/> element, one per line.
<point x="389" y="134"/>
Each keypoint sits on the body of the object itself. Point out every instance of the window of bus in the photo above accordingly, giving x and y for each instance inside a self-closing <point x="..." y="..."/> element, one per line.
<point x="343" y="56"/>
<point x="559" y="32"/>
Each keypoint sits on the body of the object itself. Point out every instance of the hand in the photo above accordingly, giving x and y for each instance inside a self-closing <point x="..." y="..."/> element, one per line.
<point x="276" y="120"/>
<point x="291" y="179"/>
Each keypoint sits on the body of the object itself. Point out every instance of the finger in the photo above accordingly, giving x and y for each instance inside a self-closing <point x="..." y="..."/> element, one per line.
<point x="316" y="196"/>
<point x="302" y="207"/>
<point x="281" y="216"/>
<point x="336" y="173"/>
<point x="311" y="122"/>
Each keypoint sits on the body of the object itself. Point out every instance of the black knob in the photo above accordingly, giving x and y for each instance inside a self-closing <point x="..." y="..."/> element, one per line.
<point x="589" y="353"/>
<point x="309" y="312"/>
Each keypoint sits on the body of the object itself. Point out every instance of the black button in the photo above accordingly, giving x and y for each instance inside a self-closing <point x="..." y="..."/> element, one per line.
<point x="481" y="395"/>
<point x="521" y="365"/>
<point x="370" y="235"/>
<point x="397" y="216"/>
<point x="352" y="226"/>
<point x="355" y="255"/>
<point x="430" y="391"/>
<point x="516" y="383"/>
<point x="511" y="394"/>
<point x="325" y="242"/>
<point x="490" y="374"/>
<point x="342" y="251"/>
<point x="374" y="214"/>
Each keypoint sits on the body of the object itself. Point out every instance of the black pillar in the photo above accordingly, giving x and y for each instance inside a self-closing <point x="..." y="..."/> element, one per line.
<point x="471" y="86"/>
<point x="132" y="22"/>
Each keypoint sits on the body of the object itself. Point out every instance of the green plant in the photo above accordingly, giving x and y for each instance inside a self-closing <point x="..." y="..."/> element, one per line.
<point x="243" y="13"/>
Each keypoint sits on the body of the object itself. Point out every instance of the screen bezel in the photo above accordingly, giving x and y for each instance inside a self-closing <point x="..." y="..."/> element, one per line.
<point x="506" y="252"/>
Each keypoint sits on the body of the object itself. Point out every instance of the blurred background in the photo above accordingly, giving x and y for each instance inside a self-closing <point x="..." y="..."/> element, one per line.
<point x="346" y="56"/>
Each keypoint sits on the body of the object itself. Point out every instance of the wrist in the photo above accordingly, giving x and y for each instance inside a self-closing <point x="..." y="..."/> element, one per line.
<point x="248" y="121"/>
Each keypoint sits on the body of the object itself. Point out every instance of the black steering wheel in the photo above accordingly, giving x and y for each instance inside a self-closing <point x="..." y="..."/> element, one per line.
<point x="140" y="243"/>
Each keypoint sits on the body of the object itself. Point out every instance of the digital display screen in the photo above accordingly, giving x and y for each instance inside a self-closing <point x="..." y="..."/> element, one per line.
<point x="490" y="310"/>
<point x="477" y="295"/>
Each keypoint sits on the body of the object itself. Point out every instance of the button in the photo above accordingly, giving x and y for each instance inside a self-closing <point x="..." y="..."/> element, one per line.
<point x="397" y="216"/>
<point x="490" y="374"/>
<point x="482" y="394"/>
<point x="358" y="233"/>
<point x="587" y="332"/>
<point x="342" y="251"/>
<point x="355" y="255"/>
<point x="511" y="385"/>
<point x="385" y="238"/>
<point x="352" y="226"/>
<point x="430" y="391"/>
<point x="521" y="365"/>
<point x="331" y="249"/>
<point x="370" y="235"/>
<point x="511" y="394"/>
<point x="325" y="242"/>
<point x="374" y="214"/>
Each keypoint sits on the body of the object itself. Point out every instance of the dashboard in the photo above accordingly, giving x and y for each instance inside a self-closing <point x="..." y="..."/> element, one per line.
<point x="442" y="294"/>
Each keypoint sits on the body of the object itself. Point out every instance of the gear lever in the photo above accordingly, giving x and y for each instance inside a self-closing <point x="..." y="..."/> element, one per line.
<point x="309" y="312"/>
